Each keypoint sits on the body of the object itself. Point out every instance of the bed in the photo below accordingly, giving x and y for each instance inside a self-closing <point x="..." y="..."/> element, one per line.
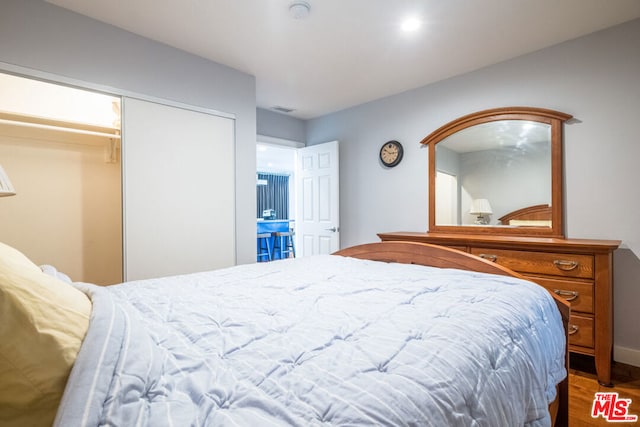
<point x="390" y="333"/>
<point x="531" y="216"/>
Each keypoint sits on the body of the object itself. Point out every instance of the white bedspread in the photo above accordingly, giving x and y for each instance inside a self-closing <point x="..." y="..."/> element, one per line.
<point x="323" y="340"/>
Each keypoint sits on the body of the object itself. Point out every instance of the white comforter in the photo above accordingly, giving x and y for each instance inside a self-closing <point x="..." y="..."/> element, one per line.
<point x="323" y="340"/>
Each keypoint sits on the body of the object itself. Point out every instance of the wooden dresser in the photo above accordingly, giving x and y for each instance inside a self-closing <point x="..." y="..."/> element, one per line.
<point x="579" y="270"/>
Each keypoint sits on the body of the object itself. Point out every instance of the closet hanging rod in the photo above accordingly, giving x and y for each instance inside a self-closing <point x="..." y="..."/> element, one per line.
<point x="59" y="128"/>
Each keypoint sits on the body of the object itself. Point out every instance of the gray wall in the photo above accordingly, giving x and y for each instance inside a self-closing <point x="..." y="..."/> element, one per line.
<point x="277" y="125"/>
<point x="46" y="38"/>
<point x="507" y="178"/>
<point x="595" y="78"/>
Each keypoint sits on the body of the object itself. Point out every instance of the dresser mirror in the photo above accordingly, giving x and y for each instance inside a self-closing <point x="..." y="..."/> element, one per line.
<point x="498" y="171"/>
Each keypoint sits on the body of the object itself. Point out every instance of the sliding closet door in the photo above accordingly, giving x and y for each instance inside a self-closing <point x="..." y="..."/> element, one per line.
<point x="179" y="192"/>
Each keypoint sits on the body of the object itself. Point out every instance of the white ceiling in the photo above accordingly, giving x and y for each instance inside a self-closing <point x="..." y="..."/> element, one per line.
<point x="500" y="134"/>
<point x="347" y="52"/>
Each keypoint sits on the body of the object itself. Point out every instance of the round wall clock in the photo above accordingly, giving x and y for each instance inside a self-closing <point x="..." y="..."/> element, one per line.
<point x="391" y="153"/>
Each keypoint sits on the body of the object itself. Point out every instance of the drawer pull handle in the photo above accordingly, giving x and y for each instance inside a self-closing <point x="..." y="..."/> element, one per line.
<point x="565" y="265"/>
<point x="567" y="295"/>
<point x="489" y="257"/>
<point x="573" y="329"/>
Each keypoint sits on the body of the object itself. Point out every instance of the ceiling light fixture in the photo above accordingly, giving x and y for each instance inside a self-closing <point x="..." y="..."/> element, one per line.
<point x="410" y="24"/>
<point x="299" y="9"/>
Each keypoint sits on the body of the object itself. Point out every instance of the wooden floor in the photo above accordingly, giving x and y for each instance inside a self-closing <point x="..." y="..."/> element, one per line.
<point x="583" y="386"/>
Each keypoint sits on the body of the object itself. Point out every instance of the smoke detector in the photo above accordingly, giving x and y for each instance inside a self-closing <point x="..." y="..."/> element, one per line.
<point x="299" y="9"/>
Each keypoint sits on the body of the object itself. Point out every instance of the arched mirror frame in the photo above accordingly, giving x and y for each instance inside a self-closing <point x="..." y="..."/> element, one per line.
<point x="554" y="118"/>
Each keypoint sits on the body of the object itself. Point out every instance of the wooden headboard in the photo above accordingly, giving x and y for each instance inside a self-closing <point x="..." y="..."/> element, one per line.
<point x="532" y="213"/>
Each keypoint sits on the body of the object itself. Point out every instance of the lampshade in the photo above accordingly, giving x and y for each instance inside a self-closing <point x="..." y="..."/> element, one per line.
<point x="480" y="207"/>
<point x="6" y="188"/>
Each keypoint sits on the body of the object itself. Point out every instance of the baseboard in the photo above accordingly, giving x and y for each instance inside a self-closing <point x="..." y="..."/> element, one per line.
<point x="629" y="356"/>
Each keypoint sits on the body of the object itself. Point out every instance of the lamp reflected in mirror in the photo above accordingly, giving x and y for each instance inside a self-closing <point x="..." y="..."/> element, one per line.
<point x="6" y="188"/>
<point x="481" y="208"/>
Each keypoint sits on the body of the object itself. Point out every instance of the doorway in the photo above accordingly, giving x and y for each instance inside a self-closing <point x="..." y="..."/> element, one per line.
<point x="313" y="192"/>
<point x="275" y="189"/>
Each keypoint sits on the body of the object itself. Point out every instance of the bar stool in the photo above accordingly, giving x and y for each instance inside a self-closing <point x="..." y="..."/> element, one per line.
<point x="264" y="246"/>
<point x="284" y="244"/>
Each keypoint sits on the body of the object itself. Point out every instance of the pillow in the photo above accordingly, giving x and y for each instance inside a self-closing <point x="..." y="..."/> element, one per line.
<point x="43" y="321"/>
<point x="52" y="271"/>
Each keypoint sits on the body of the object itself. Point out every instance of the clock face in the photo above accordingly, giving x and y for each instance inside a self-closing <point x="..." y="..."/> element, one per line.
<point x="391" y="153"/>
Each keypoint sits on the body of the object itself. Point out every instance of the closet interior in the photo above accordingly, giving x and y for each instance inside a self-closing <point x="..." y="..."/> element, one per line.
<point x="60" y="146"/>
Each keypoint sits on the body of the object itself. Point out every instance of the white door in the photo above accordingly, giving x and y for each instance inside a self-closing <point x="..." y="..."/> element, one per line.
<point x="317" y="195"/>
<point x="179" y="192"/>
<point x="446" y="199"/>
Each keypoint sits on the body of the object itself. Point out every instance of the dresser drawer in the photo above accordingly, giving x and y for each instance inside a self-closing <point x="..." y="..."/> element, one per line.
<point x="578" y="294"/>
<point x="581" y="330"/>
<point x="556" y="264"/>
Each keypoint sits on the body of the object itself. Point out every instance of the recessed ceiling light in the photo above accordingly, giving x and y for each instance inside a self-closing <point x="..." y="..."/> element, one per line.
<point x="411" y="24"/>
